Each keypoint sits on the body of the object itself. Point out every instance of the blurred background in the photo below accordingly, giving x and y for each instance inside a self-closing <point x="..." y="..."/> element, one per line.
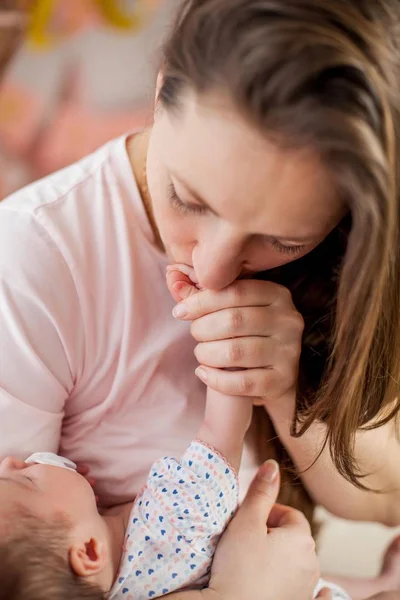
<point x="84" y="74"/>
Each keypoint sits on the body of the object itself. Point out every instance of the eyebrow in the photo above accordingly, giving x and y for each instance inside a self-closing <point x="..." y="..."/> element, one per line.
<point x="306" y="239"/>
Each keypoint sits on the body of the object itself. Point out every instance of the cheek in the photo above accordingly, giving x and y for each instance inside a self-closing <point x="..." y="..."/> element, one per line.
<point x="266" y="257"/>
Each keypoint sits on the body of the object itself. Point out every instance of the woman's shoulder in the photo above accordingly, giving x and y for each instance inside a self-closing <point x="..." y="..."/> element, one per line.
<point x="62" y="187"/>
<point x="82" y="212"/>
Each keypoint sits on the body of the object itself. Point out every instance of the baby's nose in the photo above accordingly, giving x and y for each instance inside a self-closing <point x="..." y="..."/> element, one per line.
<point x="11" y="463"/>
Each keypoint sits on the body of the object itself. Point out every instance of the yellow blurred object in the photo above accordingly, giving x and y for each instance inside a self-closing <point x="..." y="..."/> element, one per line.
<point x="41" y="15"/>
<point x="113" y="15"/>
<point x="111" y="12"/>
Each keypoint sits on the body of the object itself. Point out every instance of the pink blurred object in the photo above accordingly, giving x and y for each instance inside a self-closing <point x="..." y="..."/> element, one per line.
<point x="21" y="115"/>
<point x="77" y="131"/>
<point x="74" y="16"/>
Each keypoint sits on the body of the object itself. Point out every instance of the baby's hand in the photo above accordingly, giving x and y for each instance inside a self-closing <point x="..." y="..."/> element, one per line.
<point x="181" y="282"/>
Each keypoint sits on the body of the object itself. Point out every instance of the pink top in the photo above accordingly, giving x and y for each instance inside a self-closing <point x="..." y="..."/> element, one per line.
<point x="92" y="363"/>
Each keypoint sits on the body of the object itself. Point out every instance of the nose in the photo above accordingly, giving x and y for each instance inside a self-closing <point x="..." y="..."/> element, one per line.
<point x="218" y="259"/>
<point x="11" y="463"/>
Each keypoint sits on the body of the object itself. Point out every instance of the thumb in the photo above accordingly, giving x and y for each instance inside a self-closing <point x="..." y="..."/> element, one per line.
<point x="325" y="594"/>
<point x="262" y="494"/>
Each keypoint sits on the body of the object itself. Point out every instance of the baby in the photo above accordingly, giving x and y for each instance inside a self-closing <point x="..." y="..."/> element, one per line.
<point x="56" y="544"/>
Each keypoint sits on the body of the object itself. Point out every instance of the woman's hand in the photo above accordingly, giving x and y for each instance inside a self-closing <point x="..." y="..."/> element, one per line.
<point x="267" y="552"/>
<point x="251" y="326"/>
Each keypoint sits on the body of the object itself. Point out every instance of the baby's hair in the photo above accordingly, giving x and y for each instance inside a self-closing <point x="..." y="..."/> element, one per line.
<point x="34" y="561"/>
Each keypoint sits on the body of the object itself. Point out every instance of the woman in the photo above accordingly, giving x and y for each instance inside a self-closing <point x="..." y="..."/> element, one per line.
<point x="275" y="139"/>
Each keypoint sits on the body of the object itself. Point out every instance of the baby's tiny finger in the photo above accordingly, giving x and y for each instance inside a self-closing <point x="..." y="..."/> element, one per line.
<point x="325" y="594"/>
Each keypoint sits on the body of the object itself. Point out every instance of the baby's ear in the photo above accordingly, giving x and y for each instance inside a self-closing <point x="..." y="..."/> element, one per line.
<point x="88" y="558"/>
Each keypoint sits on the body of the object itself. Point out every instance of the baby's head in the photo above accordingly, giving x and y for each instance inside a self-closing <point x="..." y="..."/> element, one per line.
<point x="53" y="542"/>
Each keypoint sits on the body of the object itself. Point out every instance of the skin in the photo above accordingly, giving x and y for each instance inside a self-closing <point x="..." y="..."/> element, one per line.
<point x="95" y="542"/>
<point x="209" y="227"/>
<point x="244" y="204"/>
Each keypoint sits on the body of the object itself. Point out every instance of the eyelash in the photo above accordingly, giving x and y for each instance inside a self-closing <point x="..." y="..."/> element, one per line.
<point x="292" y="250"/>
<point x="185" y="209"/>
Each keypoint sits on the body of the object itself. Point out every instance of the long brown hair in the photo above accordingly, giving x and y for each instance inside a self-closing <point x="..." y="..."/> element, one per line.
<point x="323" y="74"/>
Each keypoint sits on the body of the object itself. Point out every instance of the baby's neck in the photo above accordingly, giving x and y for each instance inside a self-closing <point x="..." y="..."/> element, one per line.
<point x="116" y="521"/>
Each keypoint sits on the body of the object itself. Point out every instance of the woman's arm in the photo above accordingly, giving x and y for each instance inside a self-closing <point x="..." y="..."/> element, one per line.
<point x="42" y="337"/>
<point x="377" y="452"/>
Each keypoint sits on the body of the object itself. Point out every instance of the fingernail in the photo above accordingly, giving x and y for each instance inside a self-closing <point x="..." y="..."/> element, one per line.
<point x="201" y="374"/>
<point x="180" y="311"/>
<point x="270" y="471"/>
<point x="183" y="289"/>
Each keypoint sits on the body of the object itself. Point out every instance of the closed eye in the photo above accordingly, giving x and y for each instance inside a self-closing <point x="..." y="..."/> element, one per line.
<point x="184" y="207"/>
<point x="292" y="250"/>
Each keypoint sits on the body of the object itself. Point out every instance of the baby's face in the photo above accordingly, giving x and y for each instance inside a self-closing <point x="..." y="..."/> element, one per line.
<point x="46" y="490"/>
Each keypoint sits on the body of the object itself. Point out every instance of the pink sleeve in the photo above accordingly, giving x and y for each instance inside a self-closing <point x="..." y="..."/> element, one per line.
<point x="40" y="326"/>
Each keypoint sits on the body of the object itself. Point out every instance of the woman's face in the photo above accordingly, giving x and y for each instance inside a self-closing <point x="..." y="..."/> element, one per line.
<point x="226" y="201"/>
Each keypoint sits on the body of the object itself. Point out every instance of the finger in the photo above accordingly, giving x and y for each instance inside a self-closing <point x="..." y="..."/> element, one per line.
<point x="250" y="352"/>
<point x="179" y="285"/>
<point x="236" y="322"/>
<point x="186" y="270"/>
<point x="325" y="594"/>
<point x="255" y="383"/>
<point x="261" y="496"/>
<point x="245" y="292"/>
<point x="288" y="517"/>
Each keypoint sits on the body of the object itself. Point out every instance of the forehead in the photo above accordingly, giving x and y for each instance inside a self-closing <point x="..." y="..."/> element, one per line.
<point x="242" y="175"/>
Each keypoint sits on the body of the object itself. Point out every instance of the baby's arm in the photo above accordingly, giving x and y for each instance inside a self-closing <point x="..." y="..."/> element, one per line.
<point x="227" y="418"/>
<point x="226" y="421"/>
